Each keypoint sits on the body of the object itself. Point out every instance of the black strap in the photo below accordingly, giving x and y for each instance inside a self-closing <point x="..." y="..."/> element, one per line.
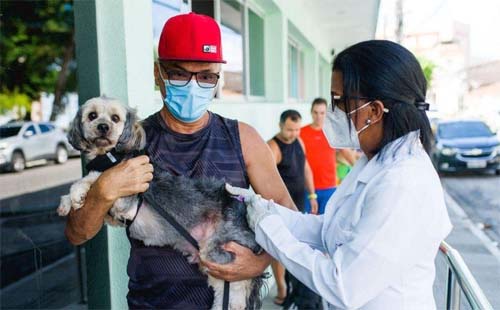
<point x="171" y="220"/>
<point x="110" y="159"/>
<point x="225" y="298"/>
<point x="181" y="230"/>
<point x="139" y="204"/>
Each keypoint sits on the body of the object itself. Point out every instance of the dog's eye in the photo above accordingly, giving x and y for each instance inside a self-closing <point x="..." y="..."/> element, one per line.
<point x="92" y="116"/>
<point x="115" y="118"/>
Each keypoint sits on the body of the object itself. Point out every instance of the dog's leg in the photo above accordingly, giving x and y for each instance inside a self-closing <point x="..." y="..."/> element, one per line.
<point x="64" y="205"/>
<point x="239" y="292"/>
<point x="218" y="286"/>
<point x="124" y="208"/>
<point x="79" y="190"/>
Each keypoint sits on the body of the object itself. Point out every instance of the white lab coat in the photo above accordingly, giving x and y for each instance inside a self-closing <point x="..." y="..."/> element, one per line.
<point x="381" y="232"/>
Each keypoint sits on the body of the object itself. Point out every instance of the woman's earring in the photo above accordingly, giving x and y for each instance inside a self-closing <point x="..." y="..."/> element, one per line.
<point x="368" y="121"/>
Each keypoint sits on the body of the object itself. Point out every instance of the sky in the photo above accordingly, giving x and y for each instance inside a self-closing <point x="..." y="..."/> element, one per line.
<point x="482" y="16"/>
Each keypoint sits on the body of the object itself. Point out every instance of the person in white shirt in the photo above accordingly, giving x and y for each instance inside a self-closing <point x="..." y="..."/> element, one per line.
<point x="382" y="228"/>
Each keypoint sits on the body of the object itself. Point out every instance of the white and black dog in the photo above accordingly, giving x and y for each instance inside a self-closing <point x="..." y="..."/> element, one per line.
<point x="105" y="127"/>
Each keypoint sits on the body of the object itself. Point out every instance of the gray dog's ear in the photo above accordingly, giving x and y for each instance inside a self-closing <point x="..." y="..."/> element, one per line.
<point x="133" y="136"/>
<point x="75" y="134"/>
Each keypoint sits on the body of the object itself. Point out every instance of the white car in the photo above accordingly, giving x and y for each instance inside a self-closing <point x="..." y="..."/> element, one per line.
<point x="25" y="143"/>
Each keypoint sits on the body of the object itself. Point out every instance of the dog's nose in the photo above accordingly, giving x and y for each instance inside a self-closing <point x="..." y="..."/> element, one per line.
<point x="103" y="128"/>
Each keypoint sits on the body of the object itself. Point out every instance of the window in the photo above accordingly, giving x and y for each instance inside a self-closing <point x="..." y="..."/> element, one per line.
<point x="162" y="11"/>
<point x="256" y="51"/>
<point x="232" y="47"/>
<point x="295" y="71"/>
<point x="7" y="131"/>
<point x="31" y="129"/>
<point x="45" y="128"/>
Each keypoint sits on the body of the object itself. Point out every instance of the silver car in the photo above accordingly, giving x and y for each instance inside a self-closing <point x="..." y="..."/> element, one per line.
<point x="25" y="143"/>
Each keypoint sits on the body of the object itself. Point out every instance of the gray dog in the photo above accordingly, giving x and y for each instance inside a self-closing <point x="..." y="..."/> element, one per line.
<point x="103" y="126"/>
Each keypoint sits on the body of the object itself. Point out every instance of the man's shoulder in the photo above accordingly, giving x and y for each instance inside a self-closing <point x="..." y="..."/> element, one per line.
<point x="151" y="120"/>
<point x="305" y="130"/>
<point x="306" y="127"/>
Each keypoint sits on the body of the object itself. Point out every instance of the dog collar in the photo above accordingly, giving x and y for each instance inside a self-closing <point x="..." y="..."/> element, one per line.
<point x="110" y="159"/>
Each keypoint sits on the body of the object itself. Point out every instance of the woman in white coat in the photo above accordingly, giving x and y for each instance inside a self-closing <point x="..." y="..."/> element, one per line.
<point x="382" y="228"/>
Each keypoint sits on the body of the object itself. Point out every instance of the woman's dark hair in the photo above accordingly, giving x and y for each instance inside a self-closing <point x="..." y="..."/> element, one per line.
<point x="386" y="71"/>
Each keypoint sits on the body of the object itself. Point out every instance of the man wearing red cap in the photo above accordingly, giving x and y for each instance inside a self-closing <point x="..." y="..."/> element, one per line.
<point x="185" y="139"/>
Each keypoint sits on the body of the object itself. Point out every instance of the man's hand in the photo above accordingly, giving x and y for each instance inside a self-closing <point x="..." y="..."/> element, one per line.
<point x="314" y="206"/>
<point x="129" y="177"/>
<point x="246" y="264"/>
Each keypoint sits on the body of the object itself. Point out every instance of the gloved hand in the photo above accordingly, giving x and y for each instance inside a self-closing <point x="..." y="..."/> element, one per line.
<point x="257" y="207"/>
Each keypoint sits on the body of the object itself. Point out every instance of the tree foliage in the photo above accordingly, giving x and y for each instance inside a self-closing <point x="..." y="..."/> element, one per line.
<point x="428" y="68"/>
<point x="34" y="39"/>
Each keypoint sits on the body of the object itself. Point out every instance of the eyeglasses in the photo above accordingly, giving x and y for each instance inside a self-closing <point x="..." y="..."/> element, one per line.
<point x="180" y="78"/>
<point x="337" y="100"/>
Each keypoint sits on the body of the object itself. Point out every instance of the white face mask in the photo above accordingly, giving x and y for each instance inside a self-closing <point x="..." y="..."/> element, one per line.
<point x="337" y="131"/>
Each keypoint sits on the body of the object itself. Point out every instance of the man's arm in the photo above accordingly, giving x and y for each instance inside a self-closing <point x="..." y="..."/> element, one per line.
<point x="348" y="155"/>
<point x="275" y="151"/>
<point x="261" y="167"/>
<point x="127" y="178"/>
<point x="309" y="182"/>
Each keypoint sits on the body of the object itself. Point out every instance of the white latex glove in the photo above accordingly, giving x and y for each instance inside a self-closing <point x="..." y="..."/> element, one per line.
<point x="257" y="207"/>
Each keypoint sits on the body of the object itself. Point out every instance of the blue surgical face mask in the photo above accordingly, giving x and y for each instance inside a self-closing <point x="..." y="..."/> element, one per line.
<point x="187" y="103"/>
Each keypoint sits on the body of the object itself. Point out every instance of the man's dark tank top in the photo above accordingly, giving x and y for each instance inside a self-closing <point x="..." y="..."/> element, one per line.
<point x="291" y="169"/>
<point x="160" y="277"/>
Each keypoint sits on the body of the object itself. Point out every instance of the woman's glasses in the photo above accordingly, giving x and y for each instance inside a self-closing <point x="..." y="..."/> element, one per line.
<point x="342" y="102"/>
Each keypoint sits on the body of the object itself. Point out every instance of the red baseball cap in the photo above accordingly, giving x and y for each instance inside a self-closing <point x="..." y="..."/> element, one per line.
<point x="191" y="37"/>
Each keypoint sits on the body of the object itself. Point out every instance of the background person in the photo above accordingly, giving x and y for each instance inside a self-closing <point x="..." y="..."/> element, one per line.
<point x="321" y="156"/>
<point x="289" y="155"/>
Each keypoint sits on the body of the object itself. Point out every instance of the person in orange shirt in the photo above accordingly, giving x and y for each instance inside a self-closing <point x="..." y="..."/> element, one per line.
<point x="321" y="157"/>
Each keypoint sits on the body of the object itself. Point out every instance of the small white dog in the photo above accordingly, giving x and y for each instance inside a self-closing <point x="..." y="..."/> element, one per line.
<point x="103" y="125"/>
<point x="105" y="129"/>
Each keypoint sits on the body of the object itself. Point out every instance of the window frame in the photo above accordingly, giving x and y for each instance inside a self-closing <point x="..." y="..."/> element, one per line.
<point x="291" y="42"/>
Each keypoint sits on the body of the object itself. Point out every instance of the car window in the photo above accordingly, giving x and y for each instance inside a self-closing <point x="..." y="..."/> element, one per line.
<point x="32" y="129"/>
<point x="45" y="128"/>
<point x="9" y="131"/>
<point x="463" y="130"/>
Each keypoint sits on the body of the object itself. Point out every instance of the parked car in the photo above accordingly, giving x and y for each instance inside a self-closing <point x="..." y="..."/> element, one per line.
<point x="23" y="143"/>
<point x="466" y="145"/>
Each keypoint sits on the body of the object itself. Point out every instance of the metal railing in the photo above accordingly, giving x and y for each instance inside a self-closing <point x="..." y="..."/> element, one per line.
<point x="459" y="280"/>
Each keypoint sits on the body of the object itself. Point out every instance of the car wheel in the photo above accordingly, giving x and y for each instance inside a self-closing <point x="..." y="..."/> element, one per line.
<point x="61" y="155"/>
<point x="18" y="162"/>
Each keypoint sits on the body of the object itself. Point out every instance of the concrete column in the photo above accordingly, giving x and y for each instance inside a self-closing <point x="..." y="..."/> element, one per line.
<point x="276" y="57"/>
<point x="114" y="48"/>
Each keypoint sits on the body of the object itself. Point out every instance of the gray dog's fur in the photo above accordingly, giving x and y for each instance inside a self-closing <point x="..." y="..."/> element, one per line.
<point x="201" y="206"/>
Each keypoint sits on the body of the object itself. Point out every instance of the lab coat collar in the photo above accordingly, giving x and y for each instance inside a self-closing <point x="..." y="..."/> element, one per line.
<point x="395" y="151"/>
<point x="364" y="170"/>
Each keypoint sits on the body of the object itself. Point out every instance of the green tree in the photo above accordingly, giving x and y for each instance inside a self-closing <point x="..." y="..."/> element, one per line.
<point x="428" y="68"/>
<point x="37" y="49"/>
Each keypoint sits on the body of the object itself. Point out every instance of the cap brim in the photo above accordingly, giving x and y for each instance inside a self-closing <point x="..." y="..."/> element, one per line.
<point x="193" y="60"/>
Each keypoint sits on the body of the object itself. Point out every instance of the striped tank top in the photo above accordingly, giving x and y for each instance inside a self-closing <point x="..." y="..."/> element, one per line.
<point x="160" y="277"/>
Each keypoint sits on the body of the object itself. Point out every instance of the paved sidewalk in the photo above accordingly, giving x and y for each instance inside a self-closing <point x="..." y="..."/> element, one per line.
<point x="481" y="255"/>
